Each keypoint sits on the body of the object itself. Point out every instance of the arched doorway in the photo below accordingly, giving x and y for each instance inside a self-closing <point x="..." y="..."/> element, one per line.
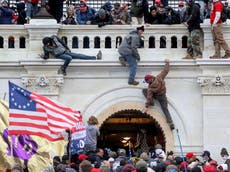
<point x="135" y="106"/>
<point x="122" y="128"/>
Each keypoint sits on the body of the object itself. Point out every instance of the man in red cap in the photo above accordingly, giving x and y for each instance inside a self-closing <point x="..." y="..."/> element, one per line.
<point x="156" y="89"/>
<point x="85" y="15"/>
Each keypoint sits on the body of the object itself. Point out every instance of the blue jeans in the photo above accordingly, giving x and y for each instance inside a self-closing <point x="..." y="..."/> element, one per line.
<point x="201" y="3"/>
<point x="31" y="9"/>
<point x="69" y="56"/>
<point x="132" y="61"/>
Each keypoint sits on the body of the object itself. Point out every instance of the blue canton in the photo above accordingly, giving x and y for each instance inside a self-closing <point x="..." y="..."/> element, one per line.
<point x="19" y="98"/>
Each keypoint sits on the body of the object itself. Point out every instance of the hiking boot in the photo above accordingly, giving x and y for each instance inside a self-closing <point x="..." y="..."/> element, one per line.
<point x="171" y="125"/>
<point x="62" y="71"/>
<point x="198" y="56"/>
<point x="188" y="57"/>
<point x="133" y="82"/>
<point x="214" y="57"/>
<point x="226" y="56"/>
<point x="99" y="55"/>
<point x="122" y="61"/>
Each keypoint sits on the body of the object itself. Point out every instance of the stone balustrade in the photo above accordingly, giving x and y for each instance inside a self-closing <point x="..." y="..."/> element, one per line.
<point x="197" y="90"/>
<point x="160" y="41"/>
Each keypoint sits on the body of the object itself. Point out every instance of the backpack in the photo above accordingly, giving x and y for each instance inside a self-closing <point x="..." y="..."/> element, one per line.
<point x="224" y="14"/>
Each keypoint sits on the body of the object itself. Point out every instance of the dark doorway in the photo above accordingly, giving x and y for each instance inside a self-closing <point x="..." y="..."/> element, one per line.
<point x="126" y="124"/>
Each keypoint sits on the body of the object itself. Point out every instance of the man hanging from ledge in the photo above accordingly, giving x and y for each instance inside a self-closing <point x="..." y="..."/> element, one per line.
<point x="156" y="89"/>
<point x="57" y="47"/>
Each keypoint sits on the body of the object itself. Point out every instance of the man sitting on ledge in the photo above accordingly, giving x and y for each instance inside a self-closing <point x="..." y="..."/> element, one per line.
<point x="55" y="46"/>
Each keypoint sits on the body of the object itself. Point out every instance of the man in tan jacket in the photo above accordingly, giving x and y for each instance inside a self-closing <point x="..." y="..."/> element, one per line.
<point x="156" y="89"/>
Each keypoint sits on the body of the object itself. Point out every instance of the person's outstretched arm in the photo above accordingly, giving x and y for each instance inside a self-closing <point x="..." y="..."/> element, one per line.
<point x="165" y="70"/>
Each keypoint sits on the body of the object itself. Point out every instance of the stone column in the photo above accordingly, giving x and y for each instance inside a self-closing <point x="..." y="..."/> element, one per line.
<point x="41" y="76"/>
<point x="42" y="79"/>
<point x="215" y="89"/>
<point x="38" y="29"/>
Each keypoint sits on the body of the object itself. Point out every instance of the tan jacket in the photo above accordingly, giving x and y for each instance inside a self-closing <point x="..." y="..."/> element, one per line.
<point x="157" y="86"/>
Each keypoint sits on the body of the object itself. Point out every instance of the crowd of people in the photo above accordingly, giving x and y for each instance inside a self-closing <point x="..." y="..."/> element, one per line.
<point x="96" y="159"/>
<point x="120" y="160"/>
<point x="130" y="159"/>
<point x="138" y="12"/>
<point x="135" y="12"/>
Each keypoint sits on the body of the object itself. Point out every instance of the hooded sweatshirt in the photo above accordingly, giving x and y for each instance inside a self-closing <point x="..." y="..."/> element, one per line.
<point x="92" y="132"/>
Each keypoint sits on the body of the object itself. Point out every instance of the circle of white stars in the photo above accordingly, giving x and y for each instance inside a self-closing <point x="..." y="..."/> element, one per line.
<point x="20" y="106"/>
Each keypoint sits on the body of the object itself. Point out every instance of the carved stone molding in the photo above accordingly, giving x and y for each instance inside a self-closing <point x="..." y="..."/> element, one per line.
<point x="216" y="85"/>
<point x="47" y="85"/>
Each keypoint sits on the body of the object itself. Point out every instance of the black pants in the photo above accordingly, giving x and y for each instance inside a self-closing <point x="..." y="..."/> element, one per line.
<point x="163" y="102"/>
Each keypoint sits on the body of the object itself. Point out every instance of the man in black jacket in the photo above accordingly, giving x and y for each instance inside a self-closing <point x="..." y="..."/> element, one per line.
<point x="103" y="17"/>
<point x="55" y="46"/>
<point x="193" y="25"/>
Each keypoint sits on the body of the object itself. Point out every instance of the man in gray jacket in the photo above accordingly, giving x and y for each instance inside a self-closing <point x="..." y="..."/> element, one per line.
<point x="55" y="46"/>
<point x="129" y="53"/>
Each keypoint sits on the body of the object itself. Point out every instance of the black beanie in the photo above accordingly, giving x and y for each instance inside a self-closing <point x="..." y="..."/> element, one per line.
<point x="141" y="28"/>
<point x="46" y="40"/>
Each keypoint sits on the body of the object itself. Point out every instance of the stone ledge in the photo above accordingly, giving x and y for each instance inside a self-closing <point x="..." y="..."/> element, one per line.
<point x="77" y="62"/>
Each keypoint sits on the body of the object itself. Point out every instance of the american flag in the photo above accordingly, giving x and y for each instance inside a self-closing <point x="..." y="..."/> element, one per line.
<point x="33" y="114"/>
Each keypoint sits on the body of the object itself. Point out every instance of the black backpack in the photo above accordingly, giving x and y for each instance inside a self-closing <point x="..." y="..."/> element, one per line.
<point x="225" y="14"/>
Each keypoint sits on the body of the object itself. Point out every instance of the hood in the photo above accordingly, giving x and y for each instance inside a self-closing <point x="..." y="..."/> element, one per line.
<point x="133" y="32"/>
<point x="91" y="127"/>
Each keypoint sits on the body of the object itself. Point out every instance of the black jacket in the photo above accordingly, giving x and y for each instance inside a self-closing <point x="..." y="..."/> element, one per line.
<point x="193" y="20"/>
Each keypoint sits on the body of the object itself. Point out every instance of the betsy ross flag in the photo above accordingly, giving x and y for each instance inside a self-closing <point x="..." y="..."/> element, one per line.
<point x="33" y="114"/>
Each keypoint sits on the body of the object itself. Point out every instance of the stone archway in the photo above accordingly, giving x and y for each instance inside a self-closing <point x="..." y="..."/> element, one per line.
<point x="169" y="139"/>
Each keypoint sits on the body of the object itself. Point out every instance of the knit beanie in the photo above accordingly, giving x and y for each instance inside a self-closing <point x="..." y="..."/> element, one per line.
<point x="141" y="28"/>
<point x="224" y="151"/>
<point x="101" y="13"/>
<point x="128" y="168"/>
<point x="140" y="164"/>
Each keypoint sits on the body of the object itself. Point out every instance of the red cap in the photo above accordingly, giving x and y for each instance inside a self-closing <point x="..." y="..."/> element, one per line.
<point x="83" y="1"/>
<point x="190" y="155"/>
<point x="95" y="170"/>
<point x="147" y="77"/>
<point x="209" y="168"/>
<point x="82" y="157"/>
<point x="157" y="2"/>
<point x="181" y="4"/>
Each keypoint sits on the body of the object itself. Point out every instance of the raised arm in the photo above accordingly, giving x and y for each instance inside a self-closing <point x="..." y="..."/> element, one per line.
<point x="165" y="70"/>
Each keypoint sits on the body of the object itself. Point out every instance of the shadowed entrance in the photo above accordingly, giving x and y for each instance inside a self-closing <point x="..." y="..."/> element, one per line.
<point x="123" y="127"/>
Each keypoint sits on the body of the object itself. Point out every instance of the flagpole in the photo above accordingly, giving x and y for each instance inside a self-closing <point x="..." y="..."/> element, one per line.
<point x="185" y="168"/>
<point x="4" y="96"/>
<point x="11" y="137"/>
<point x="130" y="151"/>
<point x="69" y="144"/>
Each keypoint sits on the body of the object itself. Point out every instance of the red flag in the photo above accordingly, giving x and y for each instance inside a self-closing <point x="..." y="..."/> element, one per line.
<point x="34" y="114"/>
